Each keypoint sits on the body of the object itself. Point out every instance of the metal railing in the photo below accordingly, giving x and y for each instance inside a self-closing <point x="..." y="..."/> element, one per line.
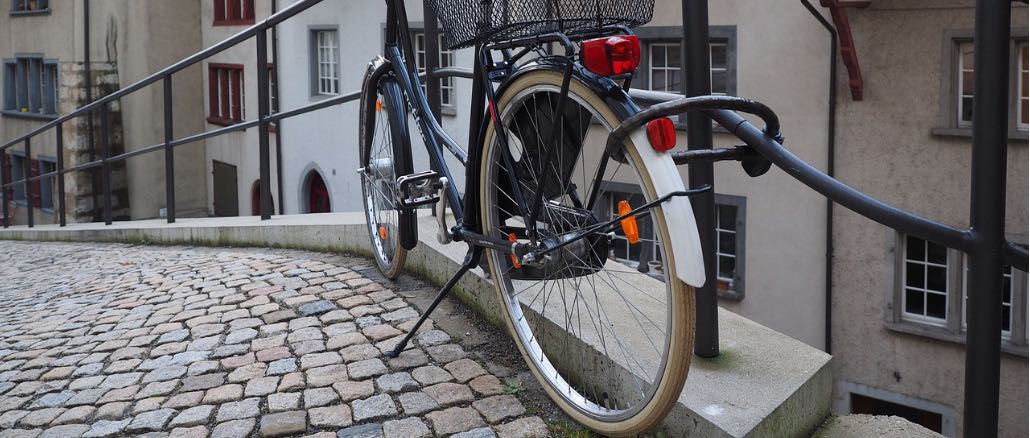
<point x="265" y="118"/>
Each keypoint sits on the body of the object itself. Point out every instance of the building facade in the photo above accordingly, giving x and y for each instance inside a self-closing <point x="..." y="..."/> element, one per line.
<point x="898" y="318"/>
<point x="45" y="77"/>
<point x="230" y="96"/>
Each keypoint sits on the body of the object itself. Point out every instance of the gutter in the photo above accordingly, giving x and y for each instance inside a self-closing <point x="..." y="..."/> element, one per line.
<point x="91" y="142"/>
<point x="831" y="146"/>
<point x="278" y="124"/>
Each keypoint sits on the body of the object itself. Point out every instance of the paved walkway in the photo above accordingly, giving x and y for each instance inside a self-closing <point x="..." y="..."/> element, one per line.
<point x="121" y="340"/>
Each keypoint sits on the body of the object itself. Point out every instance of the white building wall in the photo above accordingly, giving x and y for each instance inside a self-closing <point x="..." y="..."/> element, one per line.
<point x="326" y="141"/>
<point x="239" y="149"/>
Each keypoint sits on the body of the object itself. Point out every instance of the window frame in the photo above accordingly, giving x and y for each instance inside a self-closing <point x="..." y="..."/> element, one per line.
<point x="42" y="9"/>
<point x="215" y="116"/>
<point x="37" y="89"/>
<point x="740" y="265"/>
<point x="315" y="61"/>
<point x="220" y="16"/>
<point x="447" y="84"/>
<point x="674" y="35"/>
<point x="953" y="328"/>
<point x="950" y="122"/>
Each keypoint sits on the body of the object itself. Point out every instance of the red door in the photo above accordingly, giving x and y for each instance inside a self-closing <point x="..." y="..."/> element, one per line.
<point x="318" y="195"/>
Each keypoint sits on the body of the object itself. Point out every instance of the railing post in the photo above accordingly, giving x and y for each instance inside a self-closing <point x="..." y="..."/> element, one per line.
<point x="105" y="153"/>
<point x="3" y="188"/>
<point x="987" y="217"/>
<point x="27" y="186"/>
<point x="263" y="152"/>
<point x="696" y="73"/>
<point x="169" y="155"/>
<point x="61" y="215"/>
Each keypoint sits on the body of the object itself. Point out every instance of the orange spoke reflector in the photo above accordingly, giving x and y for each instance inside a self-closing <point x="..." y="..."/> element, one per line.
<point x="514" y="260"/>
<point x="629" y="225"/>
<point x="382" y="232"/>
<point x="379" y="106"/>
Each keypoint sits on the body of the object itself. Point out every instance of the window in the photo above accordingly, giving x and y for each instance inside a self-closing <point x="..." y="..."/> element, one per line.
<point x="233" y="12"/>
<point x="325" y="68"/>
<point x="30" y="86"/>
<point x="925" y="281"/>
<point x="729" y="246"/>
<point x="447" y="89"/>
<point x="931" y="293"/>
<point x="1023" y="79"/>
<point x="225" y="94"/>
<point x="662" y="59"/>
<point x="958" y="106"/>
<point x="46" y="185"/>
<point x="24" y="7"/>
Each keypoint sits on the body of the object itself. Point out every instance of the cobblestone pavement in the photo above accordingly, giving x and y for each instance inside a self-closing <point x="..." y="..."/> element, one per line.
<point x="119" y="340"/>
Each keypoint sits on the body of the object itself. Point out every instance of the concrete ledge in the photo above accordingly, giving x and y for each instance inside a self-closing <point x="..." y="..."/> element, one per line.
<point x="764" y="383"/>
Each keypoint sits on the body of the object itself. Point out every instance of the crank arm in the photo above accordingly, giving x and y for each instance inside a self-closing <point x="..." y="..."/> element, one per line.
<point x="604" y="227"/>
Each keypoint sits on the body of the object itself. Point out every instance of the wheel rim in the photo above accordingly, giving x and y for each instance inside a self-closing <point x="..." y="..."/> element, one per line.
<point x="378" y="181"/>
<point x="606" y="372"/>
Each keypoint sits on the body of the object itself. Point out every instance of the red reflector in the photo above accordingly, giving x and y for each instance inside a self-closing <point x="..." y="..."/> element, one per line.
<point x="611" y="55"/>
<point x="662" y="134"/>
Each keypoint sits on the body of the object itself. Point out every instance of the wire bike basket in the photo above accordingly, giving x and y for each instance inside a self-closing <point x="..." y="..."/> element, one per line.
<point x="470" y="22"/>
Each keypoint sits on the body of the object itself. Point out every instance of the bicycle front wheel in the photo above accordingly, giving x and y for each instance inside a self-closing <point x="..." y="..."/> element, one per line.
<point x="384" y="157"/>
<point x="604" y="323"/>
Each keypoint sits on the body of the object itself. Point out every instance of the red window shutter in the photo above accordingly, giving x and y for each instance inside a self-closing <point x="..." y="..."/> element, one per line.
<point x="212" y="91"/>
<point x="248" y="10"/>
<point x="219" y="10"/>
<point x="223" y="83"/>
<point x="237" y="98"/>
<point x="34" y="185"/>
<point x="233" y="12"/>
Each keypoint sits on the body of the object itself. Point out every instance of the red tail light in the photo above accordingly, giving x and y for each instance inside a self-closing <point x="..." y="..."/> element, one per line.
<point x="662" y="134"/>
<point x="612" y="55"/>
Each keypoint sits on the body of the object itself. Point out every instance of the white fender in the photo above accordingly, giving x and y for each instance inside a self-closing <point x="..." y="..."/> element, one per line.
<point x="679" y="216"/>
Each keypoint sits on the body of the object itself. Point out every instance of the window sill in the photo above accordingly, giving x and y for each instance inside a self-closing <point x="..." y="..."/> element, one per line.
<point x="246" y="22"/>
<point x="968" y="133"/>
<point x="221" y="122"/>
<point x="30" y="13"/>
<point x="942" y="334"/>
<point x="730" y="295"/>
<point x="21" y="115"/>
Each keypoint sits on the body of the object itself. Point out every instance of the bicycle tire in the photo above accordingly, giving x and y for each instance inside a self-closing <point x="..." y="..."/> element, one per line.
<point x="387" y="240"/>
<point x="670" y="375"/>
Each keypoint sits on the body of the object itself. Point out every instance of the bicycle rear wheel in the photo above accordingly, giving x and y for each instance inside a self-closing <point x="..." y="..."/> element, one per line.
<point x="605" y="324"/>
<point x="384" y="156"/>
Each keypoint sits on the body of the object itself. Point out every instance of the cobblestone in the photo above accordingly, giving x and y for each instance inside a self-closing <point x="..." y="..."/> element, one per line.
<point x="110" y="340"/>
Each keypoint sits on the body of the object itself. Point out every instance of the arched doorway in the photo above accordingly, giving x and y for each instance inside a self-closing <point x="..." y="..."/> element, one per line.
<point x="317" y="194"/>
<point x="255" y="199"/>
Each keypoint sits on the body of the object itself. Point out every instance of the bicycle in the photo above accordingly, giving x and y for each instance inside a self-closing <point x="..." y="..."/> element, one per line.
<point x="560" y="196"/>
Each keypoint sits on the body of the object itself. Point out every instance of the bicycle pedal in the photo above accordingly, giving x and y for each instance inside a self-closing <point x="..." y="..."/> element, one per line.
<point x="420" y="189"/>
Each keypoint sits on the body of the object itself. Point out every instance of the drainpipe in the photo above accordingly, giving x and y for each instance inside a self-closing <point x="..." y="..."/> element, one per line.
<point x="831" y="146"/>
<point x="88" y="73"/>
<point x="279" y="124"/>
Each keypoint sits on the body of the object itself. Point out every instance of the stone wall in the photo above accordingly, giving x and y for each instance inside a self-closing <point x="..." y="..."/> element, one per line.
<point x="84" y="189"/>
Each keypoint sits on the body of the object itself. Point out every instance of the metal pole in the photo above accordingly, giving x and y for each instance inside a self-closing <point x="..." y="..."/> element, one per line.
<point x="275" y="108"/>
<point x="26" y="185"/>
<point x="987" y="217"/>
<point x="169" y="154"/>
<point x="696" y="72"/>
<point x="105" y="152"/>
<point x="61" y="215"/>
<point x="262" y="83"/>
<point x="432" y="35"/>
<point x="3" y="190"/>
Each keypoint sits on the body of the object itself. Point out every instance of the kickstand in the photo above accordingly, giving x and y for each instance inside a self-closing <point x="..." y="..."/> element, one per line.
<point x="471" y="260"/>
